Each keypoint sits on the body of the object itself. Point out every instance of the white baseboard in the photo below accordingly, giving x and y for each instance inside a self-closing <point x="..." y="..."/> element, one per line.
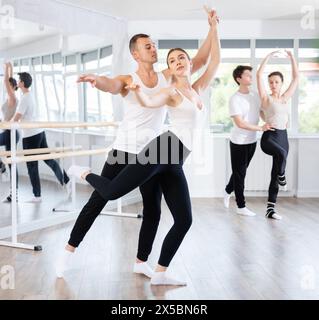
<point x="308" y="194"/>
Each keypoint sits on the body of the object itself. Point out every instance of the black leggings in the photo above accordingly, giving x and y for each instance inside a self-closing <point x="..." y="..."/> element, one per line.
<point x="167" y="156"/>
<point x="5" y="140"/>
<point x="241" y="156"/>
<point x="35" y="142"/>
<point x="275" y="143"/>
<point x="151" y="195"/>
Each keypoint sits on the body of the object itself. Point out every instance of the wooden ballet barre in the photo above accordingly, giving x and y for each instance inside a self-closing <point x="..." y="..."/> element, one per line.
<point x="57" y="155"/>
<point x="39" y="151"/>
<point x="33" y="125"/>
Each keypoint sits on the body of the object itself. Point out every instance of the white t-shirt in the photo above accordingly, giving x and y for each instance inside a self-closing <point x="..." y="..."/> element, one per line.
<point x="248" y="107"/>
<point x="27" y="108"/>
<point x="140" y="125"/>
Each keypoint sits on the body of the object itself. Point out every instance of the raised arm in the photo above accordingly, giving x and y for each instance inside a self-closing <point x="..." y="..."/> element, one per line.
<point x="203" y="82"/>
<point x="260" y="83"/>
<point x="112" y="85"/>
<point x="155" y="101"/>
<point x="203" y="52"/>
<point x="9" y="89"/>
<point x="295" y="77"/>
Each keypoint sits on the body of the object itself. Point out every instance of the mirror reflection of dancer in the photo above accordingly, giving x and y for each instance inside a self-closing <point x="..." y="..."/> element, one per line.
<point x="35" y="138"/>
<point x="8" y="109"/>
<point x="275" y="111"/>
<point x="138" y="119"/>
<point x="244" y="108"/>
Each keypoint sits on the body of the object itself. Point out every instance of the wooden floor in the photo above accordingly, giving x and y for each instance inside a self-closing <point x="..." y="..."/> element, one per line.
<point x="224" y="256"/>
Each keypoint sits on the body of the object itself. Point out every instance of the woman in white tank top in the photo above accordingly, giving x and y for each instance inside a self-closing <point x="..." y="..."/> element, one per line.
<point x="182" y="97"/>
<point x="275" y="111"/>
<point x="8" y="110"/>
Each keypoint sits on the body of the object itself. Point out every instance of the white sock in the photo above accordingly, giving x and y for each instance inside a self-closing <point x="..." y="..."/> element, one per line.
<point x="35" y="200"/>
<point x="143" y="268"/>
<point x="63" y="263"/>
<point x="226" y="199"/>
<point x="283" y="188"/>
<point x="160" y="278"/>
<point x="245" y="212"/>
<point x="77" y="171"/>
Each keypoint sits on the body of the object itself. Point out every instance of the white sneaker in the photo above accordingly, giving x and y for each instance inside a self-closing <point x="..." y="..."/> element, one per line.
<point x="35" y="200"/>
<point x="226" y="199"/>
<point x="245" y="212"/>
<point x="78" y="171"/>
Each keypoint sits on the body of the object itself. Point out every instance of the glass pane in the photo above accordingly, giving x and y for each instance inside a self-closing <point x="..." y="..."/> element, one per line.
<point x="90" y="65"/>
<point x="106" y="61"/>
<point x="224" y="87"/>
<point x="106" y="106"/>
<point x="91" y="101"/>
<point x="42" y="110"/>
<point x="52" y="101"/>
<point x="308" y="53"/>
<point x="308" y="97"/>
<point x="71" y="99"/>
<point x="235" y="53"/>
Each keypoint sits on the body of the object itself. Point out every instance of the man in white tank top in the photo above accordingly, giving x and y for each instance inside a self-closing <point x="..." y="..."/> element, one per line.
<point x="138" y="127"/>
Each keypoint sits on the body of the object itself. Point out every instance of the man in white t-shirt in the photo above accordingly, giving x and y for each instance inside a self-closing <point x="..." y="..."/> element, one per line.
<point x="244" y="109"/>
<point x="34" y="138"/>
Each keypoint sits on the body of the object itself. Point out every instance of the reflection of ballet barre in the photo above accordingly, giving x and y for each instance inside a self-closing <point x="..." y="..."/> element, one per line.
<point x="39" y="151"/>
<point x="13" y="160"/>
<point x="56" y="155"/>
<point x="46" y="124"/>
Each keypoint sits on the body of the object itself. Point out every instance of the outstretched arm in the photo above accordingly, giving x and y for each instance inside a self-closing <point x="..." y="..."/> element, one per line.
<point x="203" y="82"/>
<point x="155" y="101"/>
<point x="295" y="77"/>
<point x="112" y="85"/>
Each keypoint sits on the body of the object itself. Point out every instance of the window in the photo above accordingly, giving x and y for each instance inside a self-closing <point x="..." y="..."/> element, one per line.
<point x="308" y="48"/>
<point x="71" y="99"/>
<point x="223" y="88"/>
<point x="308" y="97"/>
<point x="106" y="57"/>
<point x="40" y="98"/>
<point x="235" y="48"/>
<point x="263" y="47"/>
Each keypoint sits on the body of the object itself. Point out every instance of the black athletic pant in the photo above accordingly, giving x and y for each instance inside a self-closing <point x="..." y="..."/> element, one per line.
<point x="35" y="142"/>
<point x="275" y="143"/>
<point x="167" y="154"/>
<point x="241" y="156"/>
<point x="5" y="140"/>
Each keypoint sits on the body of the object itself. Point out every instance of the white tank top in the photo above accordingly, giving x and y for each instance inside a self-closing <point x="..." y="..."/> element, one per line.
<point x="8" y="113"/>
<point x="140" y="125"/>
<point x="276" y="114"/>
<point x="186" y="121"/>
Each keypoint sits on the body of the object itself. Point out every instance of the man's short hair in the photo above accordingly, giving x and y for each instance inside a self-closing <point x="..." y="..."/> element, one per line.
<point x="239" y="70"/>
<point x="134" y="39"/>
<point x="26" y="78"/>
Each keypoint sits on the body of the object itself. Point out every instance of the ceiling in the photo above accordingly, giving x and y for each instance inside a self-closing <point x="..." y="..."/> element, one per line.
<point x="192" y="9"/>
<point x="24" y="32"/>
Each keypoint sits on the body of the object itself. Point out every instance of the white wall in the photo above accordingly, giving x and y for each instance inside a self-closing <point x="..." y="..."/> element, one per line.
<point x="208" y="179"/>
